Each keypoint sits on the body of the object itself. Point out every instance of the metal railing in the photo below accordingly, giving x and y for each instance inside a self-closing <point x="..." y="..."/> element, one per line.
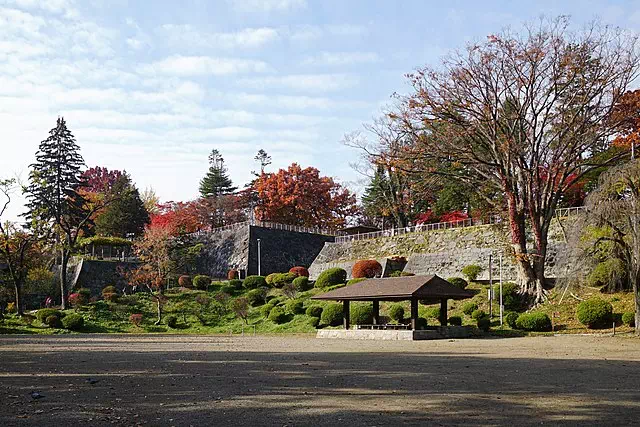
<point x="266" y="224"/>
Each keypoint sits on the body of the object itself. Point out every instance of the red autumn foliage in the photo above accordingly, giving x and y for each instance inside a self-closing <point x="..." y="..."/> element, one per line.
<point x="426" y="217"/>
<point x="185" y="281"/>
<point x="232" y="274"/>
<point x="136" y="319"/>
<point x="100" y="179"/>
<point x="302" y="197"/>
<point x="453" y="216"/>
<point x="626" y="113"/>
<point x="366" y="268"/>
<point x="300" y="271"/>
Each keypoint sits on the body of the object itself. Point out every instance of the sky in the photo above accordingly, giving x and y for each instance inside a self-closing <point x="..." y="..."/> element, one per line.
<point x="152" y="87"/>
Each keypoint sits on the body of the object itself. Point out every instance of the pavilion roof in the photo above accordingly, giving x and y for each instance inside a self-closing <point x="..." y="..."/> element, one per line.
<point x="430" y="287"/>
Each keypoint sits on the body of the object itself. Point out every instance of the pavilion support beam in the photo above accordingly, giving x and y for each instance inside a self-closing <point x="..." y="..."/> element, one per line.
<point x="443" y="312"/>
<point x="414" y="313"/>
<point x="376" y="312"/>
<point x="345" y="314"/>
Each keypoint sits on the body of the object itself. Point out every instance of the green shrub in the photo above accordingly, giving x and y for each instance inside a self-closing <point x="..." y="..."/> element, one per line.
<point x="201" y="282"/>
<point x="109" y="290"/>
<point x="629" y="319"/>
<point x="396" y="312"/>
<point x="511" y="299"/>
<point x="73" y="322"/>
<point x="331" y="277"/>
<point x="458" y="282"/>
<point x="227" y="289"/>
<point x="361" y="313"/>
<point x="256" y="297"/>
<point x="43" y="313"/>
<point x="265" y="310"/>
<point x="332" y="314"/>
<point x="281" y="279"/>
<point x="421" y="323"/>
<point x="85" y="293"/>
<point x="294" y="306"/>
<point x="472" y="272"/>
<point x="302" y="283"/>
<point x="172" y="322"/>
<point x="606" y="272"/>
<point x="432" y="312"/>
<point x="254" y="282"/>
<point x="354" y="281"/>
<point x="315" y="321"/>
<point x="269" y="278"/>
<point x="594" y="313"/>
<point x="277" y="315"/>
<point x="478" y="314"/>
<point x="455" y="320"/>
<point x="314" y="311"/>
<point x="52" y="321"/>
<point x="236" y="284"/>
<point x="510" y="319"/>
<point x="469" y="307"/>
<point x="110" y="293"/>
<point x="536" y="322"/>
<point x="484" y="324"/>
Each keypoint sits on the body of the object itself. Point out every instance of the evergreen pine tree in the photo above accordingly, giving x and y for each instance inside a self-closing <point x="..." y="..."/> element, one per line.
<point x="53" y="196"/>
<point x="216" y="182"/>
<point x="126" y="215"/>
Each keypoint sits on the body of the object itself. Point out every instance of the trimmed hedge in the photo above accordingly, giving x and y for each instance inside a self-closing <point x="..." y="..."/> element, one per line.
<point x="510" y="319"/>
<point x="484" y="324"/>
<point x="201" y="282"/>
<point x="511" y="299"/>
<point x="277" y="315"/>
<point x="361" y="314"/>
<point x="478" y="314"/>
<point x="314" y="311"/>
<point x="294" y="306"/>
<point x="536" y="322"/>
<point x="254" y="282"/>
<point x="265" y="310"/>
<point x="455" y="320"/>
<point x="43" y="313"/>
<point x="104" y="241"/>
<point x="396" y="312"/>
<point x="53" y="321"/>
<point x="469" y="307"/>
<point x="227" y="289"/>
<point x="302" y="283"/>
<point x="367" y="268"/>
<point x="354" y="281"/>
<point x="332" y="314"/>
<point x="594" y="313"/>
<point x="299" y="271"/>
<point x="315" y="321"/>
<point x="281" y="279"/>
<point x="331" y="277"/>
<point x="421" y="323"/>
<point x="185" y="281"/>
<point x="172" y="322"/>
<point x="629" y="319"/>
<point x="458" y="282"/>
<point x="73" y="322"/>
<point x="256" y="297"/>
<point x="472" y="272"/>
<point x="269" y="278"/>
<point x="236" y="284"/>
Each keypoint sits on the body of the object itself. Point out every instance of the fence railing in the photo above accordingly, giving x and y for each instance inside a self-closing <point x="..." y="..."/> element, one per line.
<point x="266" y="224"/>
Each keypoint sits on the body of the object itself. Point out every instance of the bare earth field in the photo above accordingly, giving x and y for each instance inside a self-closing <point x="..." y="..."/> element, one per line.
<point x="298" y="380"/>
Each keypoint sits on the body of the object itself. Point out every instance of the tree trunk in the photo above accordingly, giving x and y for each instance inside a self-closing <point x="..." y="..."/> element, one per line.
<point x="18" y="288"/>
<point x="64" y="262"/>
<point x="159" y="308"/>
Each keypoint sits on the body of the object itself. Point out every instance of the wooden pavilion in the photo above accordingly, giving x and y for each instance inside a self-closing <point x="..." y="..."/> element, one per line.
<point x="429" y="289"/>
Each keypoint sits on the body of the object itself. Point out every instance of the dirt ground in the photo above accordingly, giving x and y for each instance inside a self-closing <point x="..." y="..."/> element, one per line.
<point x="300" y="380"/>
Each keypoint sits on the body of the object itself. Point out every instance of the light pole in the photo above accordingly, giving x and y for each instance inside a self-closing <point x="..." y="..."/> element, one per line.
<point x="258" y="240"/>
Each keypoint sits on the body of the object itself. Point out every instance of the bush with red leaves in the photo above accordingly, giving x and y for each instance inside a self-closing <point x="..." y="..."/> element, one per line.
<point x="300" y="271"/>
<point x="232" y="275"/>
<point x="367" y="268"/>
<point x="185" y="281"/>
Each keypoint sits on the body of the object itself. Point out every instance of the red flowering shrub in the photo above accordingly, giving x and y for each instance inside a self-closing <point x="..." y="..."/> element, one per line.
<point x="75" y="299"/>
<point x="453" y="216"/>
<point x="184" y="281"/>
<point x="300" y="271"/>
<point x="232" y="275"/>
<point x="367" y="268"/>
<point x="135" y="319"/>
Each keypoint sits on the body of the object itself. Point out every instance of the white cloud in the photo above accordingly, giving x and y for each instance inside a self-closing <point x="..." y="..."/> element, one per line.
<point x="308" y="33"/>
<point x="187" y="36"/>
<point x="341" y="58"/>
<point x="179" y="65"/>
<point x="267" y="5"/>
<point x="303" y="82"/>
<point x="294" y="102"/>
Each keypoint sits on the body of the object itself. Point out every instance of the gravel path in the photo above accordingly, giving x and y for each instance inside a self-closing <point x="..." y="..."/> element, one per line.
<point x="300" y="380"/>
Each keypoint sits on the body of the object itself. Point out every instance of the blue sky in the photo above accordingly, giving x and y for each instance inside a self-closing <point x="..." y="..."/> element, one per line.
<point x="152" y="87"/>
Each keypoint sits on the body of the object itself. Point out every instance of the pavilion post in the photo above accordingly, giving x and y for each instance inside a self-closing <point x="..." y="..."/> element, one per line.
<point x="345" y="314"/>
<point x="414" y="313"/>
<point x="376" y="312"/>
<point x="443" y="312"/>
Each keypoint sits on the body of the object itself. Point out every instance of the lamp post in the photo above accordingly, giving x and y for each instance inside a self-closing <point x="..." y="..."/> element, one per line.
<point x="258" y="240"/>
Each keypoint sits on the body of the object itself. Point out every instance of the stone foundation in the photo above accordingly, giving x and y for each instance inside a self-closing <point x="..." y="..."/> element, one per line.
<point x="396" y="335"/>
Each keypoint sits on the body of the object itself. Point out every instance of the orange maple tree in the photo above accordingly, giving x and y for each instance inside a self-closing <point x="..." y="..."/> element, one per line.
<point x="302" y="197"/>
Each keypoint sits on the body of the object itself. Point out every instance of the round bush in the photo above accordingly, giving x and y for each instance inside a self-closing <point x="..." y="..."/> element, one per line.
<point x="458" y="282"/>
<point x="472" y="272"/>
<point x="605" y="272"/>
<point x="299" y="271"/>
<point x="294" y="306"/>
<point x="43" y="313"/>
<point x="536" y="322"/>
<point x="421" y="323"/>
<point x="265" y="310"/>
<point x="236" y="284"/>
<point x="185" y="281"/>
<point x="469" y="307"/>
<point x="227" y="289"/>
<point x="53" y="321"/>
<point x="201" y="282"/>
<point x="172" y="322"/>
<point x="331" y="277"/>
<point x="277" y="315"/>
<point x="109" y="290"/>
<point x="511" y="299"/>
<point x="478" y="314"/>
<point x="315" y="321"/>
<point x="629" y="319"/>
<point x="281" y="279"/>
<point x="73" y="322"/>
<point x="396" y="312"/>
<point x="302" y="283"/>
<point x="332" y="314"/>
<point x="510" y="319"/>
<point x="269" y="278"/>
<point x="314" y="311"/>
<point x="366" y="268"/>
<point x="484" y="324"/>
<point x="455" y="320"/>
<point x="431" y="312"/>
<point x="361" y="314"/>
<point x="233" y="275"/>
<point x="595" y="313"/>
<point x="256" y="297"/>
<point x="354" y="281"/>
<point x="254" y="282"/>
